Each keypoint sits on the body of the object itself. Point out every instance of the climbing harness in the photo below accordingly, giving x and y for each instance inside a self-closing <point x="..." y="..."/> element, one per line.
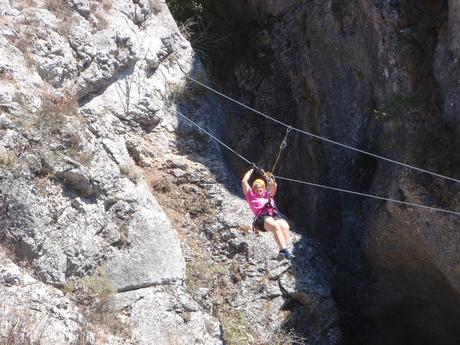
<point x="282" y="147"/>
<point x="269" y="207"/>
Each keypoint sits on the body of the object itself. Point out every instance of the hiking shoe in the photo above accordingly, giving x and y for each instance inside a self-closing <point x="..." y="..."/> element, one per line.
<point x="286" y="254"/>
<point x="280" y="256"/>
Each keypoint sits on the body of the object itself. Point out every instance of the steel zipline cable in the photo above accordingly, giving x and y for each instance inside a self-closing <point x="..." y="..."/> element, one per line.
<point x="316" y="184"/>
<point x="212" y="136"/>
<point x="368" y="195"/>
<point x="320" y="137"/>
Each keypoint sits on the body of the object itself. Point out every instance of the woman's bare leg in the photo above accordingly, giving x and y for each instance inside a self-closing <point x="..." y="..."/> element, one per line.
<point x="273" y="226"/>
<point x="285" y="229"/>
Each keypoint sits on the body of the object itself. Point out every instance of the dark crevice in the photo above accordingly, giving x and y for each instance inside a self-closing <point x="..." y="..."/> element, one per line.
<point x="147" y="285"/>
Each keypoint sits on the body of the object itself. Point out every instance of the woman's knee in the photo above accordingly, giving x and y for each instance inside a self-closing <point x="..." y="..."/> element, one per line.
<point x="283" y="224"/>
<point x="271" y="225"/>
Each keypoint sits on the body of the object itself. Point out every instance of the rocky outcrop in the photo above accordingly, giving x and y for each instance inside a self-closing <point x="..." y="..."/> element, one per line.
<point x="73" y="201"/>
<point x="32" y="312"/>
<point x="167" y="314"/>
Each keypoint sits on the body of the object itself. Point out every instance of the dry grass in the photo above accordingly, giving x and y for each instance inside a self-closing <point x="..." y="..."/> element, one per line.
<point x="99" y="286"/>
<point x="26" y="31"/>
<point x="54" y="112"/>
<point x="75" y="148"/>
<point x="24" y="328"/>
<point x="23" y="4"/>
<point x="65" y="25"/>
<point x="183" y="91"/>
<point x="162" y="184"/>
<point x="20" y="331"/>
<point x="6" y="75"/>
<point x="123" y="236"/>
<point x="6" y="21"/>
<point x="101" y="23"/>
<point x="235" y="327"/>
<point x="95" y="293"/>
<point x="8" y="159"/>
<point x="263" y="283"/>
<point x="24" y="41"/>
<point x="84" y="158"/>
<point x="201" y="272"/>
<point x="72" y="141"/>
<point x="42" y="184"/>
<point x="69" y="287"/>
<point x="202" y="36"/>
<point x="27" y="330"/>
<point x="106" y="4"/>
<point x="132" y="172"/>
<point x="56" y="121"/>
<point x="287" y="338"/>
<point x="58" y="7"/>
<point x="99" y="14"/>
<point x="208" y="281"/>
<point x="93" y="290"/>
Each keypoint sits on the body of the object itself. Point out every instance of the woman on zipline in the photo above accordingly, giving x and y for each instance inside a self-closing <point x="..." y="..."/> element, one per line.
<point x="267" y="216"/>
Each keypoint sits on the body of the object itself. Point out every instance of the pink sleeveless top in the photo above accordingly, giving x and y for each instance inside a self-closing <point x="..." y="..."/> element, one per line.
<point x="257" y="203"/>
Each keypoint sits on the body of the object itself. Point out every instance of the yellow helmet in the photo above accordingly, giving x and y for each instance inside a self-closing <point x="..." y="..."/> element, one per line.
<point x="258" y="182"/>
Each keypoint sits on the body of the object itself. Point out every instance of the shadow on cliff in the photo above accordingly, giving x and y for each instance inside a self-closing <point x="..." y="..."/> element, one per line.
<point x="424" y="310"/>
<point x="209" y="112"/>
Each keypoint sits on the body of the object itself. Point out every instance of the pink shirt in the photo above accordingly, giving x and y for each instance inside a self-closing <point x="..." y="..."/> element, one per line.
<point x="257" y="203"/>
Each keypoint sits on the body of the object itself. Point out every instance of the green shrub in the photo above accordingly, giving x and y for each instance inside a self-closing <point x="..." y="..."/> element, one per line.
<point x="186" y="91"/>
<point x="185" y="9"/>
<point x="394" y="108"/>
<point x="95" y="293"/>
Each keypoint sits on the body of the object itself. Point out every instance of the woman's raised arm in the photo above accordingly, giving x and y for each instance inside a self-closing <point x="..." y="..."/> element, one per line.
<point x="245" y="182"/>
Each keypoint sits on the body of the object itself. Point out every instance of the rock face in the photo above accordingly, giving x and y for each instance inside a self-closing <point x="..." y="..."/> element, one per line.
<point x="379" y="76"/>
<point x="72" y="198"/>
<point x="90" y="95"/>
<point x="32" y="312"/>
